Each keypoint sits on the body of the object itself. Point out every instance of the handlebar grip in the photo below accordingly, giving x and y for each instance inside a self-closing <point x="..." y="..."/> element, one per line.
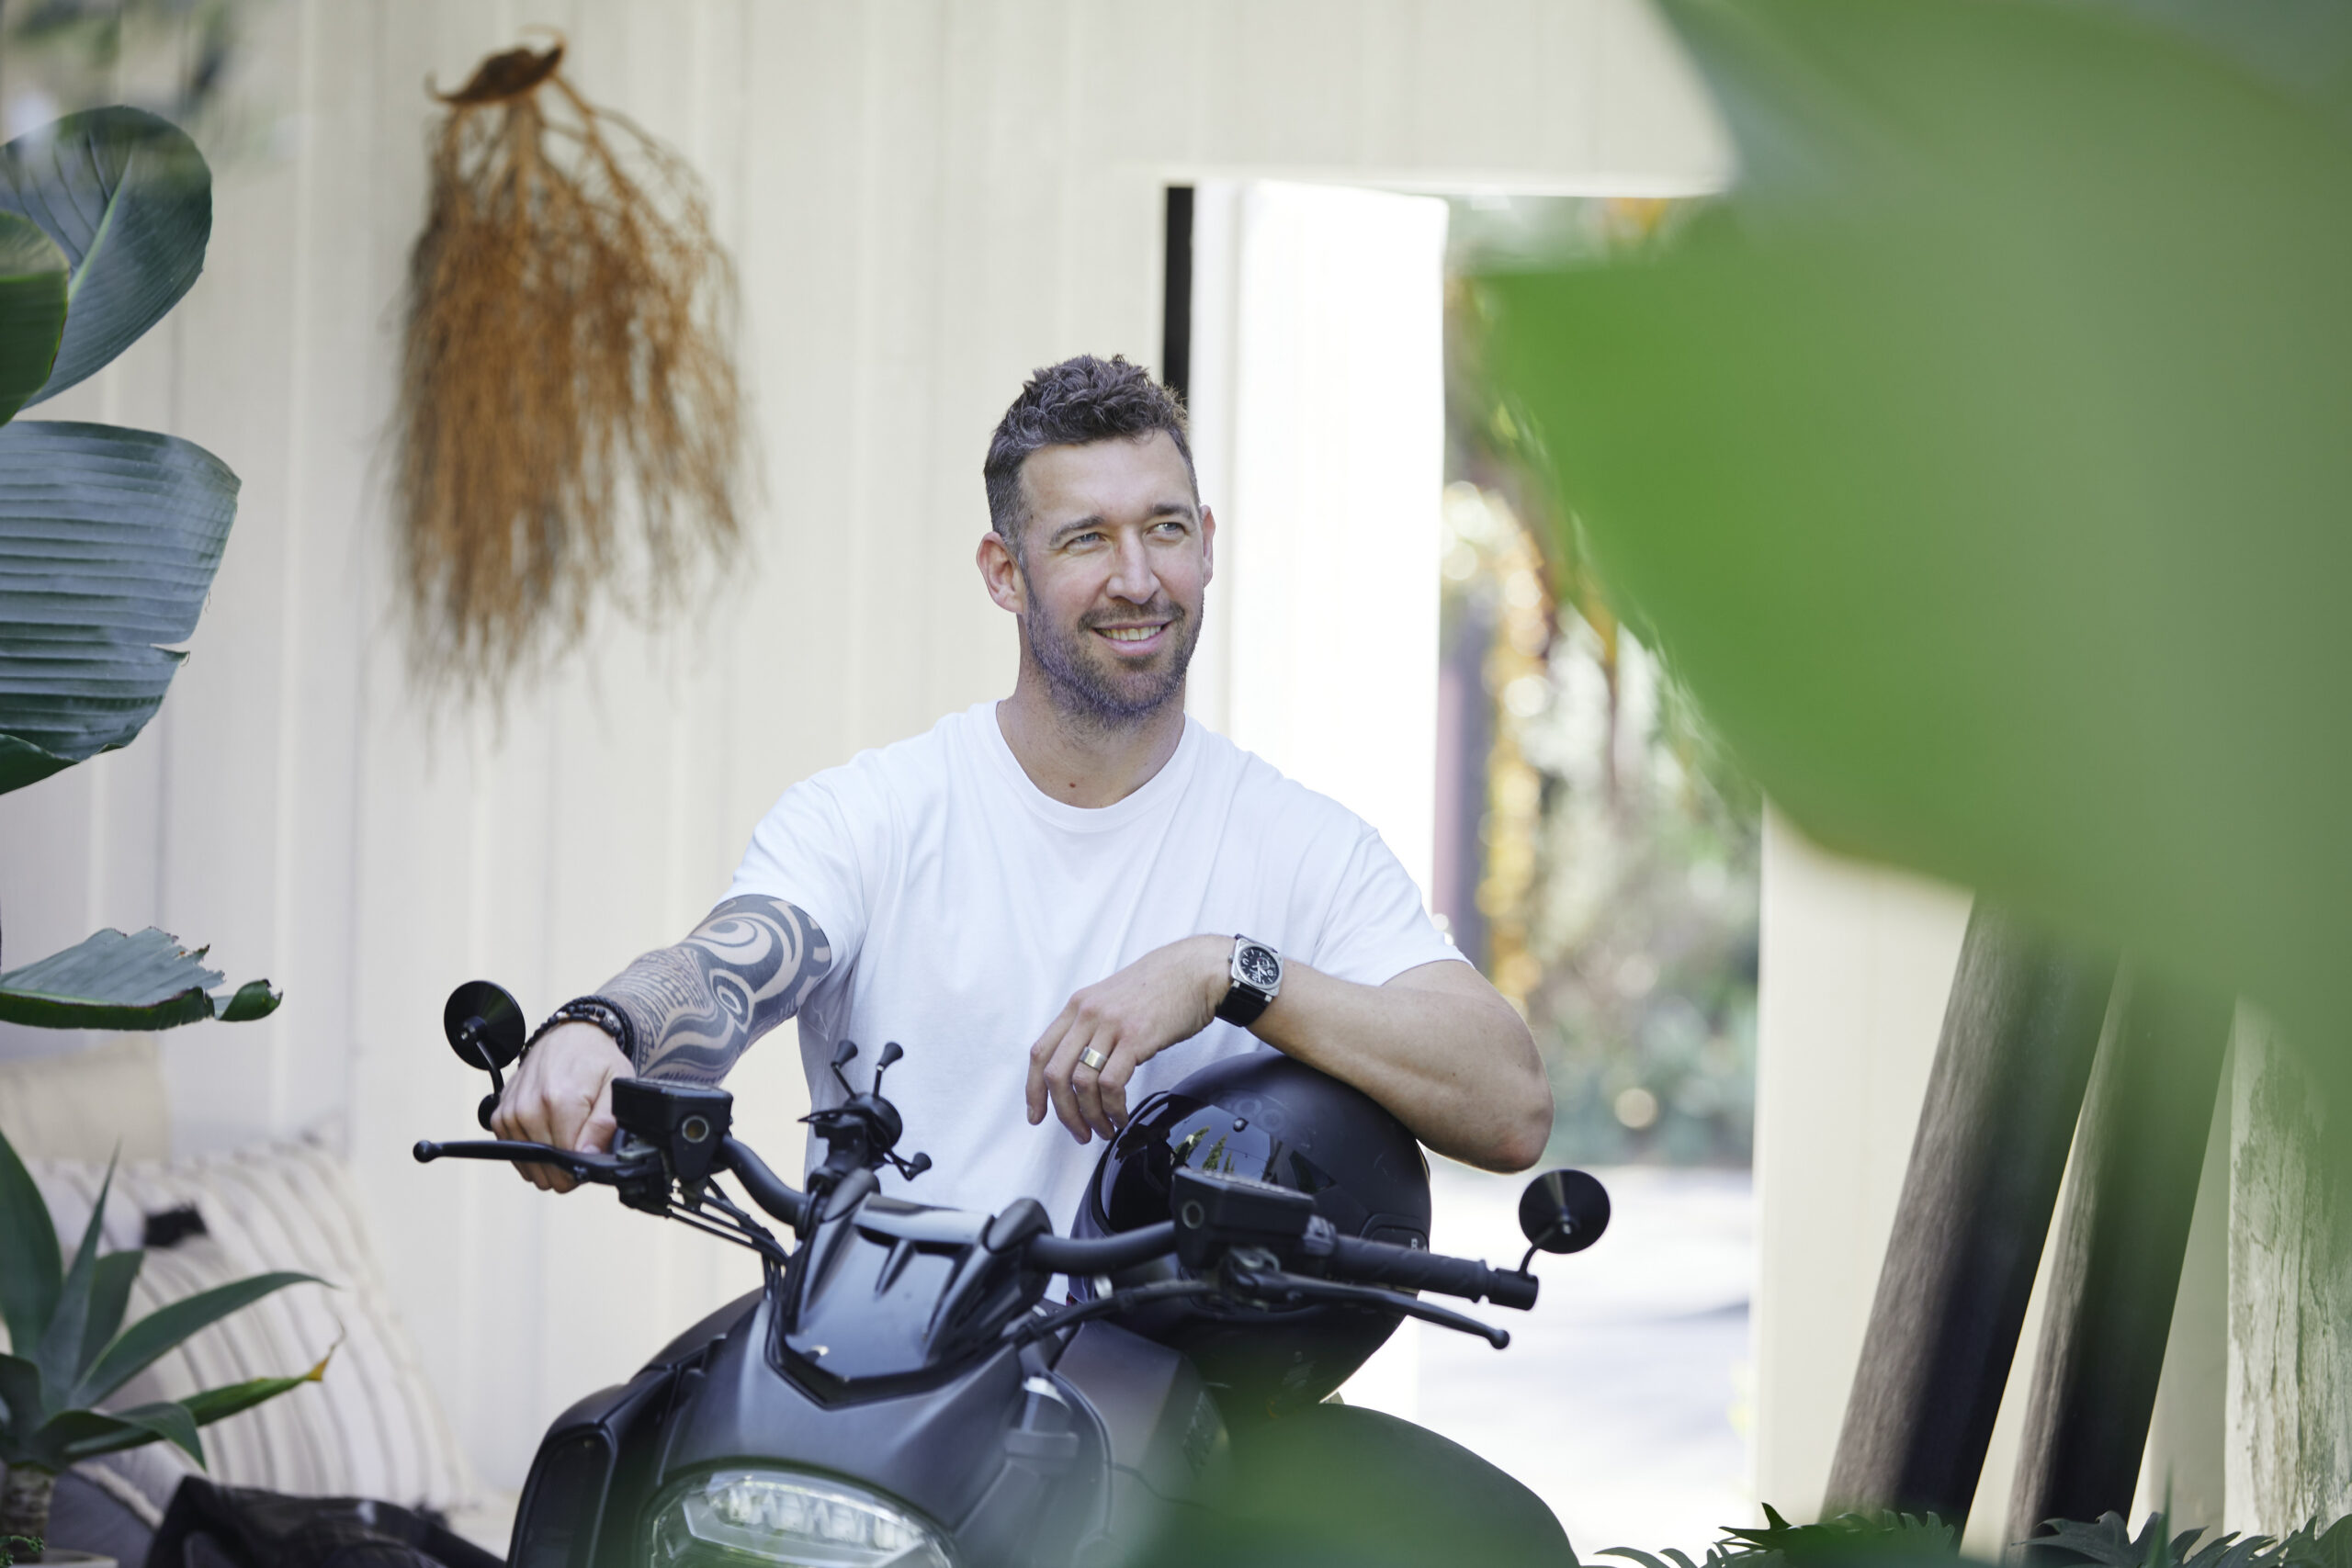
<point x="1407" y="1267"/>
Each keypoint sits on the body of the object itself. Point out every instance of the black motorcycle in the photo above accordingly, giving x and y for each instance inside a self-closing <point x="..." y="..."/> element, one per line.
<point x="898" y="1391"/>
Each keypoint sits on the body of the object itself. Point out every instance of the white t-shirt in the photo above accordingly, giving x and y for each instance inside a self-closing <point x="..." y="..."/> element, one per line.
<point x="964" y="906"/>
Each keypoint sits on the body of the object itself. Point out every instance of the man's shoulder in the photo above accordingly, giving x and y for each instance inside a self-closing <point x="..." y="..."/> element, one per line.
<point x="918" y="761"/>
<point x="1258" y="792"/>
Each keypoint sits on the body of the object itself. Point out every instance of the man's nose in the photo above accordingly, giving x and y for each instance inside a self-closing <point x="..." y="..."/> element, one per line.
<point x="1132" y="576"/>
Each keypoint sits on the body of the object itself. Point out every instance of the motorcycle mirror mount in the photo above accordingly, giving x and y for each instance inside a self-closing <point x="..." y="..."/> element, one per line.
<point x="1562" y="1211"/>
<point x="844" y="1054"/>
<point x="483" y="1025"/>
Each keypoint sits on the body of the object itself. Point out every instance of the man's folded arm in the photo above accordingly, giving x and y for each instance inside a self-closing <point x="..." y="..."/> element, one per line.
<point x="696" y="1007"/>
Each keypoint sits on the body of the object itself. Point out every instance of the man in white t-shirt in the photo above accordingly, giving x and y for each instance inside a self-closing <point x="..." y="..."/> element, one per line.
<point x="1064" y="901"/>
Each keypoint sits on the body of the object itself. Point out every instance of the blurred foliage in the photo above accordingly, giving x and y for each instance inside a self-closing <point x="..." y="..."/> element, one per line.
<point x="183" y="59"/>
<point x="1982" y="471"/>
<point x="2111" y="1544"/>
<point x="1883" y="1537"/>
<point x="1847" y="1539"/>
<point x="1620" y="842"/>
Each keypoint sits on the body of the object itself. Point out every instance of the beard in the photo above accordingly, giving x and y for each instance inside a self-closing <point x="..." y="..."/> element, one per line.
<point x="1093" y="692"/>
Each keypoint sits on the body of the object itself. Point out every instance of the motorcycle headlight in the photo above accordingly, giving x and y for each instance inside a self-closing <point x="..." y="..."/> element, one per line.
<point x="771" y="1517"/>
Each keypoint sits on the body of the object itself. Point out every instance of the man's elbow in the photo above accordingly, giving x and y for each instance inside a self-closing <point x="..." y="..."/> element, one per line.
<point x="1526" y="1133"/>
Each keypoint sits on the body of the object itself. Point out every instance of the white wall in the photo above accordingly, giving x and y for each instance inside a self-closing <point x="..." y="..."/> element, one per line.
<point x="1856" y="966"/>
<point x="925" y="199"/>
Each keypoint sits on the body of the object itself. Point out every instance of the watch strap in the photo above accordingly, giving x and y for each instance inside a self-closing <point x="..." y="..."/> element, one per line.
<point x="1242" y="1004"/>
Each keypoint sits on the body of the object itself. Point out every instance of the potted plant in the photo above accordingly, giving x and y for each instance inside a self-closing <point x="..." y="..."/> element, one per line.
<point x="70" y="1351"/>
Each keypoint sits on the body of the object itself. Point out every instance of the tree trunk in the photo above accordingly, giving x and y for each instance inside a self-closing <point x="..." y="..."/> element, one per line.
<point x="24" y="1502"/>
<point x="2019" y="1038"/>
<point x="2116" y="1271"/>
<point x="2290" y="1444"/>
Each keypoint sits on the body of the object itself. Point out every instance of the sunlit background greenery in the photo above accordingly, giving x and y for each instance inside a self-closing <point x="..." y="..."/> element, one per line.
<point x="1615" y="844"/>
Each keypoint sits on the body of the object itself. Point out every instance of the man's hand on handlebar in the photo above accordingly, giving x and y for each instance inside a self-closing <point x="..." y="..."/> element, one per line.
<point x="562" y="1094"/>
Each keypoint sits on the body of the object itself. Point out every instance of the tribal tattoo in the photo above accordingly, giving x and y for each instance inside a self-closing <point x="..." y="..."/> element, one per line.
<point x="696" y="1006"/>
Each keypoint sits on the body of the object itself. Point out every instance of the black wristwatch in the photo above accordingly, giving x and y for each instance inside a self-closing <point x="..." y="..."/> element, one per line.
<point x="1257" y="981"/>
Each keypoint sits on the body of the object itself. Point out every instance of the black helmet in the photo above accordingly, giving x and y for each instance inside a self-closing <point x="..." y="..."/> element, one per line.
<point x="1265" y="1116"/>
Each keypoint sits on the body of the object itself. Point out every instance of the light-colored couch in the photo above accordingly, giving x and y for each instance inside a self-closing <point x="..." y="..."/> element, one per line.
<point x="370" y="1427"/>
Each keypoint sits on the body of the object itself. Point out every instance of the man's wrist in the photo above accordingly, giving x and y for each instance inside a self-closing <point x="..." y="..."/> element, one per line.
<point x="1216" y="973"/>
<point x="597" y="1012"/>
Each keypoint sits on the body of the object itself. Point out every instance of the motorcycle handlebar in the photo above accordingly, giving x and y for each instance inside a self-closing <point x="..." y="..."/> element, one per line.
<point x="1079" y="1256"/>
<point x="1406" y="1268"/>
<point x="1349" y="1258"/>
<point x="764" y="1186"/>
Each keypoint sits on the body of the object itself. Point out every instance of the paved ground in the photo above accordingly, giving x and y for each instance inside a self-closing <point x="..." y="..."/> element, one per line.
<point x="1622" y="1400"/>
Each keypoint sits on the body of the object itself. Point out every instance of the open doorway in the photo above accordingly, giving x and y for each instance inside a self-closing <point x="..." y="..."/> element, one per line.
<point x="1406" y="626"/>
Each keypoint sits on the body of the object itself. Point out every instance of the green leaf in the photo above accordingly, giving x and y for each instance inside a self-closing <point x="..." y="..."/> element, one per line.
<point x="161" y="1330"/>
<point x="61" y="1346"/>
<point x="1982" y="473"/>
<point x="253" y="999"/>
<point x="20" y="1392"/>
<point x="84" y="1434"/>
<point x="128" y="197"/>
<point x="109" y="542"/>
<point x="31" y="1268"/>
<point x="32" y="310"/>
<point x="218" y="1403"/>
<point x="113" y="981"/>
<point x="109" y="1299"/>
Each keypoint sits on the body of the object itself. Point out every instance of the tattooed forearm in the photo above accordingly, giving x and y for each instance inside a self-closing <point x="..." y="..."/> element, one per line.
<point x="696" y="1006"/>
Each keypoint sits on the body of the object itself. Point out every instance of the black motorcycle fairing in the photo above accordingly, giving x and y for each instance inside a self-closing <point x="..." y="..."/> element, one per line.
<point x="560" y="1520"/>
<point x="737" y="1411"/>
<point x="686" y="1346"/>
<point x="889" y="1295"/>
<point x="1165" y="1433"/>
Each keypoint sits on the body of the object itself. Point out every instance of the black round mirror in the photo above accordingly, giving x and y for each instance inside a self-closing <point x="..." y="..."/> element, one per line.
<point x="483" y="1024"/>
<point x="1564" y="1211"/>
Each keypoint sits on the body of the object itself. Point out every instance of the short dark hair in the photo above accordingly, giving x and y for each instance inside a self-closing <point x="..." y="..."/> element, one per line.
<point x="1069" y="404"/>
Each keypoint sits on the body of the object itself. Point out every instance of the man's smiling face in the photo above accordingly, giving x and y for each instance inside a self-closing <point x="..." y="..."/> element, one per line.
<point x="1114" y="562"/>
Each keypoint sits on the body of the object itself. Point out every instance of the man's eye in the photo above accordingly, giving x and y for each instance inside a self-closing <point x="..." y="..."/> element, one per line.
<point x="1171" y="529"/>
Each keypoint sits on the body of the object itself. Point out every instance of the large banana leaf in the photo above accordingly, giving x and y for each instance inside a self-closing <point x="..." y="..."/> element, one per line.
<point x="1981" y="459"/>
<point x="108" y="541"/>
<point x="113" y="981"/>
<point x="129" y="199"/>
<point x="32" y="310"/>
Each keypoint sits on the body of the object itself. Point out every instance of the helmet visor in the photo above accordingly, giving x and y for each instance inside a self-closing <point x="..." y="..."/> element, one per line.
<point x="1195" y="1135"/>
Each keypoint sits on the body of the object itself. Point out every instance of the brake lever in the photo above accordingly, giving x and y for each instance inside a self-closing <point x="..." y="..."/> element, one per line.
<point x="580" y="1166"/>
<point x="1271" y="1281"/>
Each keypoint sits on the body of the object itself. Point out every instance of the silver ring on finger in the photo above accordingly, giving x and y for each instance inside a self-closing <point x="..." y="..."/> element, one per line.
<point x="1091" y="1057"/>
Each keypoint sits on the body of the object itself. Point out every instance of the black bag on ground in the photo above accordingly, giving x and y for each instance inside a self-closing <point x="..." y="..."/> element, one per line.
<point x="239" y="1527"/>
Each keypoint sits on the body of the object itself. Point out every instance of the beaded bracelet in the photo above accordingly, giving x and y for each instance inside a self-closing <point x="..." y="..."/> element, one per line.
<point x="595" y="1010"/>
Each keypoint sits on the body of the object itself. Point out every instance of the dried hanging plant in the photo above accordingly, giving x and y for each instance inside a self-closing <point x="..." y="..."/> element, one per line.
<point x="567" y="373"/>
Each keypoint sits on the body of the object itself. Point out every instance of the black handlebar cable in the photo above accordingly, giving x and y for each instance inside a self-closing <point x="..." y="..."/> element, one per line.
<point x="1118" y="1301"/>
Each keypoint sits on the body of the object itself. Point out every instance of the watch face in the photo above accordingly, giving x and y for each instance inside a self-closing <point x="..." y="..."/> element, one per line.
<point x="1258" y="966"/>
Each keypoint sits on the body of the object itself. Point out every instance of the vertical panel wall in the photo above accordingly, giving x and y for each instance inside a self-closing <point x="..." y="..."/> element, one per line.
<point x="924" y="201"/>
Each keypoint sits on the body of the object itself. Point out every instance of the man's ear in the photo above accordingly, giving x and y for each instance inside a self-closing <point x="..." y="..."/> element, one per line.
<point x="1208" y="543"/>
<point x="1000" y="574"/>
